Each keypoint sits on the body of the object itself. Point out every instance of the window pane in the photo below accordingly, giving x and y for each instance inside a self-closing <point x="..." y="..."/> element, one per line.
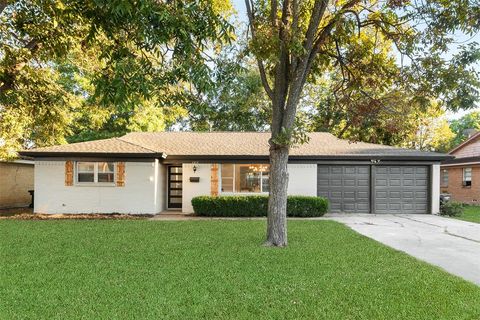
<point x="175" y="192"/>
<point x="175" y="177"/>
<point x="106" y="167"/>
<point x="247" y="178"/>
<point x="176" y="169"/>
<point x="176" y="185"/>
<point x="85" y="166"/>
<point x="85" y="177"/>
<point x="105" y="177"/>
<point x="265" y="182"/>
<point x="175" y="200"/>
<point x="227" y="177"/>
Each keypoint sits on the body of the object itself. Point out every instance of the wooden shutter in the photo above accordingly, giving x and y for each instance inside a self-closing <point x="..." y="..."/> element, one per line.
<point x="214" y="180"/>
<point x="120" y="174"/>
<point x="69" y="173"/>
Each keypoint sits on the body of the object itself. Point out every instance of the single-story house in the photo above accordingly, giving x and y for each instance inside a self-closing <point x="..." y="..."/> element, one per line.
<point x="16" y="179"/>
<point x="148" y="173"/>
<point x="460" y="176"/>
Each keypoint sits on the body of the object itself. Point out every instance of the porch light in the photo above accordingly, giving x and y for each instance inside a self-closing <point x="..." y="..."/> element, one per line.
<point x="194" y="168"/>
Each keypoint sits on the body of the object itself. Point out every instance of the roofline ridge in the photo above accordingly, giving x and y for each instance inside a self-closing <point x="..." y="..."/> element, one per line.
<point x="136" y="145"/>
<point x="464" y="143"/>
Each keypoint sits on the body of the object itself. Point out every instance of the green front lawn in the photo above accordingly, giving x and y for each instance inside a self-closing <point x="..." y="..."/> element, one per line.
<point x="216" y="269"/>
<point x="471" y="213"/>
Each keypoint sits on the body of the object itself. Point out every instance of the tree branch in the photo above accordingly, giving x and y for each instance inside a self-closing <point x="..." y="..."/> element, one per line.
<point x="3" y="5"/>
<point x="261" y="67"/>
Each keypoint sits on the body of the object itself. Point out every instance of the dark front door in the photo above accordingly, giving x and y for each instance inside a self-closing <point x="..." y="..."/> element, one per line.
<point x="175" y="187"/>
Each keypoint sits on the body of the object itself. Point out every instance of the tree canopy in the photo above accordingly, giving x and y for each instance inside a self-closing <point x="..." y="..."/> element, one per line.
<point x="71" y="65"/>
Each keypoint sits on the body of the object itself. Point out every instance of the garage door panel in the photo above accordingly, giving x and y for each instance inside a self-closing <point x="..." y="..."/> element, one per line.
<point x="336" y="170"/>
<point x="347" y="187"/>
<point x="421" y="170"/>
<point x="363" y="182"/>
<point x="401" y="189"/>
<point x="379" y="182"/>
<point x="349" y="183"/>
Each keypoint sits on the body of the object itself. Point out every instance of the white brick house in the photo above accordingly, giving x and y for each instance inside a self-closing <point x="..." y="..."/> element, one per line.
<point x="149" y="173"/>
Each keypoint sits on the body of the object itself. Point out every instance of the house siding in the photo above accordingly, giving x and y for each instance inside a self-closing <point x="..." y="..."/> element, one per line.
<point x="302" y="181"/>
<point x="471" y="149"/>
<point x="140" y="195"/>
<point x="195" y="189"/>
<point x="457" y="190"/>
<point x="16" y="179"/>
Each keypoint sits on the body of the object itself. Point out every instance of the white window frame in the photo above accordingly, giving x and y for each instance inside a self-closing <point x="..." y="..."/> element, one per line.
<point x="235" y="180"/>
<point x="464" y="177"/>
<point x="95" y="175"/>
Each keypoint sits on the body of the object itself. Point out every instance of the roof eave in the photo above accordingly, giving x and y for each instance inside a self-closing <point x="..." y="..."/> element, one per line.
<point x="313" y="157"/>
<point x="40" y="154"/>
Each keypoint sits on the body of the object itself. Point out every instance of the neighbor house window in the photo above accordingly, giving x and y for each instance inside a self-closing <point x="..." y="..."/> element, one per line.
<point x="444" y="178"/>
<point x="467" y="177"/>
<point x="245" y="178"/>
<point x="95" y="172"/>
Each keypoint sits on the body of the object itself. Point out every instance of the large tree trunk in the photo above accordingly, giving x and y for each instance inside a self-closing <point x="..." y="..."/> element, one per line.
<point x="277" y="201"/>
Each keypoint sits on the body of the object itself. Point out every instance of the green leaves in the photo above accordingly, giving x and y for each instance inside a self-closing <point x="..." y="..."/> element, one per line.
<point x="70" y="65"/>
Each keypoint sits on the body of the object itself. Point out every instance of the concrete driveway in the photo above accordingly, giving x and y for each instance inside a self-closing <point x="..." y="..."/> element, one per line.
<point x="453" y="245"/>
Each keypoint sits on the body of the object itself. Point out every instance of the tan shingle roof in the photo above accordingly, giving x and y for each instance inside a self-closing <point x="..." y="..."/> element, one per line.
<point x="228" y="144"/>
<point x="113" y="145"/>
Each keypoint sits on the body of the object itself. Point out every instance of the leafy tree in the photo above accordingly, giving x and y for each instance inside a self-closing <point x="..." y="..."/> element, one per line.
<point x="296" y="41"/>
<point x="144" y="53"/>
<point x="461" y="126"/>
<point x="236" y="101"/>
<point x="431" y="131"/>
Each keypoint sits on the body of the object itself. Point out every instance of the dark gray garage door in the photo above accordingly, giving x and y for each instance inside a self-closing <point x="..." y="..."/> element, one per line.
<point x="346" y="187"/>
<point x="401" y="189"/>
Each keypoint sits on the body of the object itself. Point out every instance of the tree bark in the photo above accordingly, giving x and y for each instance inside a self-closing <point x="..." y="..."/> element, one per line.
<point x="277" y="200"/>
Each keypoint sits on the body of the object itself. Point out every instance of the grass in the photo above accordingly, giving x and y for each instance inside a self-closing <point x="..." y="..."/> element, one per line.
<point x="471" y="213"/>
<point x="216" y="270"/>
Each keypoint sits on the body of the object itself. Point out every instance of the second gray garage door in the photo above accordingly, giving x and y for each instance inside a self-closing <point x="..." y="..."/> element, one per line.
<point x="401" y="189"/>
<point x="346" y="187"/>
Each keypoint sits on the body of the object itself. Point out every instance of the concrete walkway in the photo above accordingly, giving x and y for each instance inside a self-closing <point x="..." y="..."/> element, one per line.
<point x="451" y="244"/>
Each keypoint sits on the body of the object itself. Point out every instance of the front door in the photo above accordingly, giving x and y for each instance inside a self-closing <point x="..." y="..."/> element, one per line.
<point x="174" y="187"/>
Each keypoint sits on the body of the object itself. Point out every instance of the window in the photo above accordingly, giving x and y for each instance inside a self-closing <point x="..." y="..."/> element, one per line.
<point x="467" y="177"/>
<point x="444" y="178"/>
<point x="227" y="177"/>
<point x="245" y="178"/>
<point x="95" y="172"/>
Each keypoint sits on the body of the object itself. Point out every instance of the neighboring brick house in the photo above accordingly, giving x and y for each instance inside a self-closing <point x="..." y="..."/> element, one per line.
<point x="460" y="176"/>
<point x="16" y="178"/>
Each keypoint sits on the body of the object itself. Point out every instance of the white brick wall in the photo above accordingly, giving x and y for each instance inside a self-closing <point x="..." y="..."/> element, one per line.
<point x="140" y="195"/>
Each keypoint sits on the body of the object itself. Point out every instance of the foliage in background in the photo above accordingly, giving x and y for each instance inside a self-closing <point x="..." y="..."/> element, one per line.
<point x="85" y="69"/>
<point x="462" y="127"/>
<point x="236" y="101"/>
<point x="256" y="206"/>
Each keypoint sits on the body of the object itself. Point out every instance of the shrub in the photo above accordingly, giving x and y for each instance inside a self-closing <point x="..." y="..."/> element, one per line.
<point x="257" y="206"/>
<point x="451" y="208"/>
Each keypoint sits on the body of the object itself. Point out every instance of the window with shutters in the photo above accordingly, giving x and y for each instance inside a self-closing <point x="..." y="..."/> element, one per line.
<point x="101" y="173"/>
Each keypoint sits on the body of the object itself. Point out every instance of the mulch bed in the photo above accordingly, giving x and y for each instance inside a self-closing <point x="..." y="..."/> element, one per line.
<point x="27" y="214"/>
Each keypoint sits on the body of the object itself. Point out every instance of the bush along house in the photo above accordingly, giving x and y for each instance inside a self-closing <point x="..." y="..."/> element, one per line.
<point x="149" y="173"/>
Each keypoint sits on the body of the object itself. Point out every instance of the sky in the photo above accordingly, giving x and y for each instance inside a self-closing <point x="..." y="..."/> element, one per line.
<point x="460" y="39"/>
